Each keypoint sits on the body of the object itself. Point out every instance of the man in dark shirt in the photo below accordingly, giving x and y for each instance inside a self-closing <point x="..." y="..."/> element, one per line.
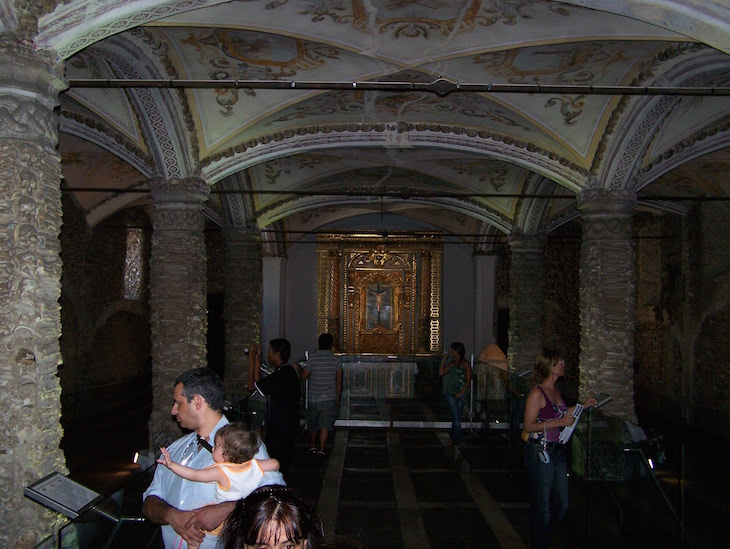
<point x="283" y="388"/>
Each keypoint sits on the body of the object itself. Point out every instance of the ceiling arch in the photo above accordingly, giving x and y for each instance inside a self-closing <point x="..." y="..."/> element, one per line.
<point x="646" y="127"/>
<point x="469" y="163"/>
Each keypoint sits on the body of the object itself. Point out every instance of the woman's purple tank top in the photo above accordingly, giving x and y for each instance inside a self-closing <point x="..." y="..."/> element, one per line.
<point x="551" y="411"/>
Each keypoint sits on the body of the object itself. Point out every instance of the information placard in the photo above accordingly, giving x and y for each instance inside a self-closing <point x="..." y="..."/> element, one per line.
<point x="602" y="399"/>
<point x="60" y="493"/>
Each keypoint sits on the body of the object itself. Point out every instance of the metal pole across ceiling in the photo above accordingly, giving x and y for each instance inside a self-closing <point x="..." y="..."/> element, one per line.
<point x="440" y="86"/>
<point x="398" y="193"/>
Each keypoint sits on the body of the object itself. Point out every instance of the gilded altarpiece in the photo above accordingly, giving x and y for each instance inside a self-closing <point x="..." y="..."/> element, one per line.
<point x="381" y="295"/>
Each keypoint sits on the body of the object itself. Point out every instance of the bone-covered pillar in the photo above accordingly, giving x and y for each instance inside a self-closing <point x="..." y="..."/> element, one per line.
<point x="527" y="300"/>
<point x="178" y="294"/>
<point x="30" y="286"/>
<point x="607" y="298"/>
<point x="242" y="304"/>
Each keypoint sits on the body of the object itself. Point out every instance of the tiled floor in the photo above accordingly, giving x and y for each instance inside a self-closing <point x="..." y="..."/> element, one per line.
<point x="406" y="487"/>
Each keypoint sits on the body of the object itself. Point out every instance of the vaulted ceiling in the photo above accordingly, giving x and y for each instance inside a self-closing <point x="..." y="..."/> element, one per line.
<point x="306" y="139"/>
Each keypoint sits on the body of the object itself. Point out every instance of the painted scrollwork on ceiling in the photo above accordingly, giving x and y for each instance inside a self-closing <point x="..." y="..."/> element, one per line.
<point x="554" y="64"/>
<point x="492" y="173"/>
<point x="286" y="166"/>
<point x="232" y="54"/>
<point x="403" y="105"/>
<point x="402" y="22"/>
<point x="558" y="64"/>
<point x="309" y="215"/>
<point x="570" y="107"/>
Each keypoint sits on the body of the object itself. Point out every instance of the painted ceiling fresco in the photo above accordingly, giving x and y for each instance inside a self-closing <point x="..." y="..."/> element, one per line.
<point x="320" y="147"/>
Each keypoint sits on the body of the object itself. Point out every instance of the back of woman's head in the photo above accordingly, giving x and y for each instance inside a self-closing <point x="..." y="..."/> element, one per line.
<point x="544" y="364"/>
<point x="271" y="514"/>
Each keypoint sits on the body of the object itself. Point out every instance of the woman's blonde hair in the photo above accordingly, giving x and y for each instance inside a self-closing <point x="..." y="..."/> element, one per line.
<point x="544" y="364"/>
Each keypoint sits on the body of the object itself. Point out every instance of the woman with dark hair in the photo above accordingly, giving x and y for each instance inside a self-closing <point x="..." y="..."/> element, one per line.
<point x="456" y="373"/>
<point x="272" y="517"/>
<point x="547" y="467"/>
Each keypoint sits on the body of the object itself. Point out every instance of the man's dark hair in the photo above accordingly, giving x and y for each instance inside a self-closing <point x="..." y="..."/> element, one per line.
<point x="326" y="341"/>
<point x="282" y="347"/>
<point x="204" y="382"/>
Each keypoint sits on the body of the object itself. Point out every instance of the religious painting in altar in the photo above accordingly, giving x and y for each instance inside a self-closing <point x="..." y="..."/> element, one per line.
<point x="380" y="321"/>
<point x="381" y="295"/>
<point x="378" y="304"/>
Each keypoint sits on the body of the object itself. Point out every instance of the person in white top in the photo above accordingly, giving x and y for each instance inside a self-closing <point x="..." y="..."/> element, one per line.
<point x="181" y="506"/>
<point x="236" y="473"/>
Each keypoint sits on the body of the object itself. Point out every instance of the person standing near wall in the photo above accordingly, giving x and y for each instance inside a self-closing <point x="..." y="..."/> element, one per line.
<point x="283" y="387"/>
<point x="545" y="457"/>
<point x="456" y="374"/>
<point x="324" y="371"/>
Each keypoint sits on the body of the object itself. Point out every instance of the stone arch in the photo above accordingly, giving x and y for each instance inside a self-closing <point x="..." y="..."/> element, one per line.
<point x="273" y="241"/>
<point x="167" y="129"/>
<point x="320" y="138"/>
<point x="240" y="208"/>
<point x="539" y="214"/>
<point x="636" y="121"/>
<point x="104" y="136"/>
<point x="703" y="142"/>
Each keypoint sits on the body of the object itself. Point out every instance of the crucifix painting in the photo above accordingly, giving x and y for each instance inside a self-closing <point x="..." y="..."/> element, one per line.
<point x="379" y="306"/>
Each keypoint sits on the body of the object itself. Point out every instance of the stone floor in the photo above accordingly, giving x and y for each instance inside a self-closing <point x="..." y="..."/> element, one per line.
<point x="406" y="487"/>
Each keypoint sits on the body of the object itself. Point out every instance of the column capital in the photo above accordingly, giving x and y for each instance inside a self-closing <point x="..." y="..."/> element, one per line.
<point x="519" y="241"/>
<point x="31" y="81"/>
<point x="179" y="189"/>
<point x="607" y="201"/>
<point x="242" y="234"/>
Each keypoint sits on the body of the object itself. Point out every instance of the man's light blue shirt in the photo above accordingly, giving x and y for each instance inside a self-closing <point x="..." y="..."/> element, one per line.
<point x="187" y="495"/>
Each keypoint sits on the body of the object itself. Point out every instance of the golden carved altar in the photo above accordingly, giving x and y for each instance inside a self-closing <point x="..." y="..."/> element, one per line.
<point x="381" y="294"/>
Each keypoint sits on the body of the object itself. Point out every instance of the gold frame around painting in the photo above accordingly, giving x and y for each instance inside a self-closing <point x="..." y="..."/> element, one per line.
<point x="381" y="294"/>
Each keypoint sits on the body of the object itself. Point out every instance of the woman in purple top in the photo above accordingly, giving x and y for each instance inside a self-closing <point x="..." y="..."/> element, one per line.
<point x="547" y="467"/>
